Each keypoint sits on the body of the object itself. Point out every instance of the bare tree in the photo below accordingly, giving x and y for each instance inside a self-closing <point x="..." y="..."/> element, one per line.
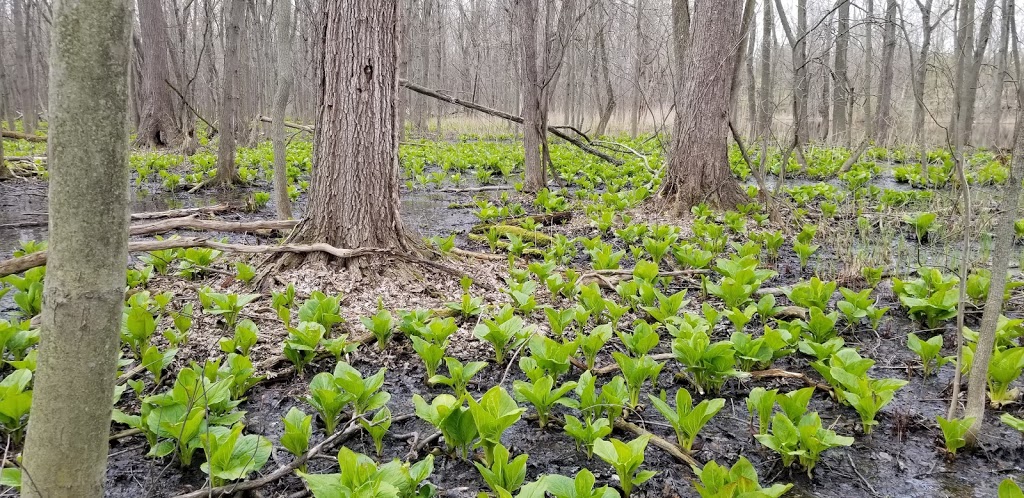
<point x="353" y="198"/>
<point x="826" y="83"/>
<point x="882" y="117"/>
<point x="840" y="116"/>
<point x="158" y="125"/>
<point x="230" y="98"/>
<point x="285" y="77"/>
<point x="639" y="67"/>
<point x="698" y="169"/>
<point x="606" y="95"/>
<point x="26" y="73"/>
<point x="533" y="127"/>
<point x="972" y="73"/>
<point x="83" y="294"/>
<point x="801" y="78"/>
<point x="1001" y="76"/>
<point x="869" y="69"/>
<point x="920" y="66"/>
<point x="766" y="103"/>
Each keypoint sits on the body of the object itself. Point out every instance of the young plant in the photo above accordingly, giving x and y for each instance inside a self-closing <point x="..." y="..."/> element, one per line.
<point x="361" y="476"/>
<point x="298" y="429"/>
<point x="381" y="325"/>
<point x="244" y="272"/>
<point x="812" y="293"/>
<point x="503" y="475"/>
<point x="922" y="222"/>
<point x="592" y="343"/>
<point x="643" y="339"/>
<point x="626" y="459"/>
<point x="954" y="432"/>
<point x="228" y="305"/>
<point x="378" y="427"/>
<point x="448" y="415"/>
<point x="709" y="364"/>
<point x="636" y="372"/>
<point x="686" y="419"/>
<point x="559" y="320"/>
<point x="856" y="388"/>
<point x="322" y="309"/>
<point x="759" y="403"/>
<point x="586" y="432"/>
<point x="15" y="403"/>
<point x="246" y="335"/>
<point x="493" y="415"/>
<point x="504" y="332"/>
<point x="804" y="252"/>
<point x="230" y="456"/>
<point x="803" y="442"/>
<point x="929" y="351"/>
<point x="300" y="346"/>
<point x="741" y="480"/>
<point x="431" y="353"/>
<point x="459" y="374"/>
<point x="580" y="486"/>
<point x="543" y="395"/>
<point x="1004" y="367"/>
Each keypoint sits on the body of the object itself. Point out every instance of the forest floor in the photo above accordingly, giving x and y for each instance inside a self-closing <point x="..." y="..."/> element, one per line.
<point x="903" y="456"/>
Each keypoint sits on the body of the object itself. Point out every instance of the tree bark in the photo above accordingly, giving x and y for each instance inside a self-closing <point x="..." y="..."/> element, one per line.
<point x="636" y="109"/>
<point x="66" y="447"/>
<point x="973" y="72"/>
<point x="285" y="76"/>
<point x="353" y="199"/>
<point x="826" y="85"/>
<point x="766" y="105"/>
<point x="158" y="126"/>
<point x="882" y="117"/>
<point x="1001" y="77"/>
<point x="26" y="74"/>
<point x="1001" y="254"/>
<point x="698" y="170"/>
<point x="607" y="107"/>
<point x="869" y="70"/>
<point x="533" y="135"/>
<point x="920" y="69"/>
<point x="840" y="119"/>
<point x="230" y="97"/>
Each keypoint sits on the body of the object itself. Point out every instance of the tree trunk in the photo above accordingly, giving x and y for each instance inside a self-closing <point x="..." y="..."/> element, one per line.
<point x="1001" y="254"/>
<point x="1001" y="77"/>
<point x="826" y="86"/>
<point x="230" y="97"/>
<point x="840" y="121"/>
<point x="285" y="76"/>
<point x="605" y="79"/>
<point x="698" y="170"/>
<point x="921" y="71"/>
<point x="766" y="107"/>
<point x="973" y="73"/>
<point x="803" y="82"/>
<point x="533" y="135"/>
<point x="353" y="199"/>
<point x="869" y="69"/>
<point x="751" y="85"/>
<point x="23" y="57"/>
<point x="66" y="447"/>
<point x="636" y="109"/>
<point x="158" y="127"/>
<point x="882" y="124"/>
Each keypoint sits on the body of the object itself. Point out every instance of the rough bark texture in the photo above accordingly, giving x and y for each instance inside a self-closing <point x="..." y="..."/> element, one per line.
<point x="66" y="447"/>
<point x="26" y="75"/>
<point x="353" y="200"/>
<point x="285" y="77"/>
<point x="607" y="104"/>
<point x="533" y="135"/>
<point x="973" y="72"/>
<point x="882" y="117"/>
<point x="1001" y="254"/>
<point x="826" y="87"/>
<point x="766" y="106"/>
<point x="869" y="69"/>
<point x="1000" y="78"/>
<point x="230" y="97"/>
<point x="840" y="123"/>
<point x="698" y="170"/>
<point x="158" y="126"/>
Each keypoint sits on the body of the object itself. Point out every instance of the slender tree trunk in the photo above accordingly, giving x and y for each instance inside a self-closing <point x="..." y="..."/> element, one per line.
<point x="66" y="447"/>
<point x="869" y="70"/>
<point x="23" y="57"/>
<point x="921" y="71"/>
<point x="1001" y="76"/>
<point x="964" y="51"/>
<point x="751" y="86"/>
<point x="285" y="77"/>
<point x="421" y="106"/>
<point x="533" y="135"/>
<point x="353" y="199"/>
<point x="766" y="102"/>
<point x="605" y="80"/>
<point x="803" y="79"/>
<point x="698" y="170"/>
<point x="230" y="96"/>
<point x="882" y="117"/>
<point x="973" y="73"/>
<point x="636" y="109"/>
<point x="1001" y="254"/>
<point x="826" y="86"/>
<point x="158" y="125"/>
<point x="840" y="122"/>
<point x="404" y="48"/>
<point x="6" y="81"/>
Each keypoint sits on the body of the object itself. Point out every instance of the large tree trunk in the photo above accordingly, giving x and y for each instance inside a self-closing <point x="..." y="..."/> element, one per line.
<point x="840" y="121"/>
<point x="698" y="170"/>
<point x="158" y="126"/>
<point x="67" y="443"/>
<point x="353" y="199"/>
<point x="285" y="76"/>
<point x="533" y="135"/>
<point x="230" y="96"/>
<point x="882" y="117"/>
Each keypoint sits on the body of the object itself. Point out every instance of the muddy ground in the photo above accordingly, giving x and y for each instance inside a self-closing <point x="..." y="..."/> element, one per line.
<point x="903" y="456"/>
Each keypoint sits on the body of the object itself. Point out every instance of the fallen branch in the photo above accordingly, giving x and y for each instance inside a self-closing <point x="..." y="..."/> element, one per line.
<point x="192" y="223"/>
<point x="192" y="109"/>
<point x="294" y="126"/>
<point x="22" y="136"/>
<point x="136" y="216"/>
<point x="785" y="374"/>
<point x="854" y="156"/>
<point x="29" y="261"/>
<point x="547" y="220"/>
<point x="278" y="473"/>
<point x="554" y="130"/>
<point x="609" y="278"/>
<point x="659" y="442"/>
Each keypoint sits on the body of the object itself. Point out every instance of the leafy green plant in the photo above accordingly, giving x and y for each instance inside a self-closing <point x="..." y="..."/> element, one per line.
<point x="15" y="403"/>
<point x="954" y="432"/>
<point x="1004" y="367"/>
<point x="812" y="293"/>
<point x="932" y="298"/>
<point x="587" y="431"/>
<point x="922" y="222"/>
<point x="710" y="364"/>
<point x="751" y="353"/>
<point x="543" y="395"/>
<point x="322" y="309"/>
<point x="231" y="456"/>
<point x="580" y="486"/>
<point x="741" y="480"/>
<point x="804" y="252"/>
<point x="929" y="351"/>
<point x="298" y="429"/>
<point x="803" y="442"/>
<point x="360" y="476"/>
<point x="246" y="335"/>
<point x="504" y="332"/>
<point x="626" y="459"/>
<point x="819" y="326"/>
<point x="459" y="374"/>
<point x="643" y="339"/>
<point x="449" y="415"/>
<point x="493" y="415"/>
<point x="381" y="325"/>
<point x="847" y="372"/>
<point x="759" y="403"/>
<point x="592" y="343"/>
<point x="137" y="325"/>
<point x="244" y="272"/>
<point x="636" y="372"/>
<point x="431" y="353"/>
<point x="378" y="427"/>
<point x="301" y="344"/>
<point x="503" y="475"/>
<point x="686" y="419"/>
<point x="1009" y="489"/>
<point x="228" y="306"/>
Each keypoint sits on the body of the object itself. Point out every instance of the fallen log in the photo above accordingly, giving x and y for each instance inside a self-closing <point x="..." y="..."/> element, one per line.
<point x="24" y="159"/>
<point x="554" y="130"/>
<point x="29" y="261"/>
<point x="294" y="126"/>
<point x="22" y="136"/>
<point x="174" y="213"/>
<point x="193" y="223"/>
<point x="547" y="220"/>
